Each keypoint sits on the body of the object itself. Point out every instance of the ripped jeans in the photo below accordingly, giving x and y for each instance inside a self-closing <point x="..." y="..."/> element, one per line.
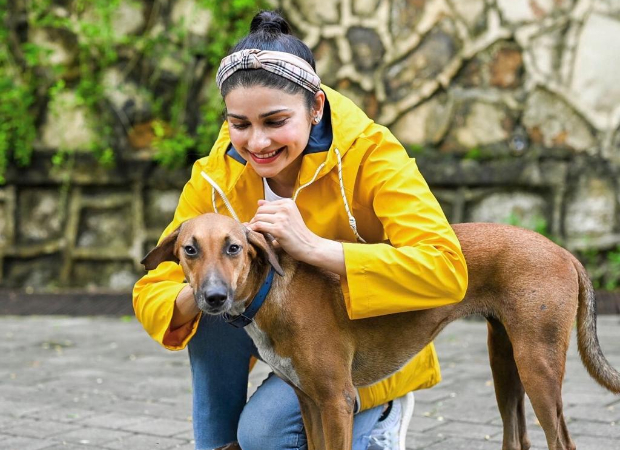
<point x="270" y="419"/>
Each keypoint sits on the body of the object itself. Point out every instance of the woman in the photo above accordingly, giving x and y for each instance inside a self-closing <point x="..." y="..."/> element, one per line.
<point x="299" y="161"/>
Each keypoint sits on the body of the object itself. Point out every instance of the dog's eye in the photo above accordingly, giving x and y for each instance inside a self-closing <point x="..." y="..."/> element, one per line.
<point x="190" y="250"/>
<point x="233" y="249"/>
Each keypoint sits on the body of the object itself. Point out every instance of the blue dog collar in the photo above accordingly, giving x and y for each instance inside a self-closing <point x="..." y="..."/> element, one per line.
<point x="247" y="316"/>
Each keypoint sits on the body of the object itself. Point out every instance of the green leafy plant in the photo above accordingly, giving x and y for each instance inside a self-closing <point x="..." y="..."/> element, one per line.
<point x="17" y="95"/>
<point x="188" y="107"/>
<point x="612" y="275"/>
<point x="415" y="149"/>
<point x="603" y="267"/>
<point x="473" y="153"/>
<point x="537" y="223"/>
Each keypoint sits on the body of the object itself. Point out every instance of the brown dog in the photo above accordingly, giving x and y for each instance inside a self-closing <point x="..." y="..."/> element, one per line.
<point x="529" y="289"/>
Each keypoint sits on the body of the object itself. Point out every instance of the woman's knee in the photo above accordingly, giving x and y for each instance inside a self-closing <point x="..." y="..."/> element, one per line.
<point x="272" y="419"/>
<point x="260" y="430"/>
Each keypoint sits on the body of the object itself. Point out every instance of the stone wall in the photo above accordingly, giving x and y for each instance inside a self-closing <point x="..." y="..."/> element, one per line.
<point x="91" y="235"/>
<point x="512" y="109"/>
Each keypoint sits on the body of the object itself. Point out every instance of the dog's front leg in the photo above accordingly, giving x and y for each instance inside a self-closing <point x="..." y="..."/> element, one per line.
<point x="311" y="416"/>
<point x="327" y="412"/>
<point x="337" y="426"/>
<point x="337" y="419"/>
<point x="335" y="405"/>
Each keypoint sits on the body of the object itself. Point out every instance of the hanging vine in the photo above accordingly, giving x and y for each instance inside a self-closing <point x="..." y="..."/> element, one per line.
<point x="183" y="113"/>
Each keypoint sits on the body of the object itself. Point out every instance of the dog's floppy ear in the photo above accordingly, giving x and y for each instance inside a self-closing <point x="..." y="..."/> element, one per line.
<point x="163" y="252"/>
<point x="265" y="248"/>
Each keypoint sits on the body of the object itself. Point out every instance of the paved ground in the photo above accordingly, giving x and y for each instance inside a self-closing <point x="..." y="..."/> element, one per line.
<point x="101" y="383"/>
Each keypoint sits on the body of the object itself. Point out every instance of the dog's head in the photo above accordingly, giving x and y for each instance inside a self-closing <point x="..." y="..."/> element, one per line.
<point x="221" y="259"/>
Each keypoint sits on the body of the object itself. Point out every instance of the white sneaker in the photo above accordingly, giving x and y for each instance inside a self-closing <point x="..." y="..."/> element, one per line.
<point x="391" y="432"/>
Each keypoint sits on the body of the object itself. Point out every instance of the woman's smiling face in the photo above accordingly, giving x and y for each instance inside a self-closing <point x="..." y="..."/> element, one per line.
<point x="270" y="129"/>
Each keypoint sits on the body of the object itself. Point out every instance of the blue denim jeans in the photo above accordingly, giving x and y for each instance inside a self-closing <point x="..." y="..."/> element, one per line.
<point x="270" y="419"/>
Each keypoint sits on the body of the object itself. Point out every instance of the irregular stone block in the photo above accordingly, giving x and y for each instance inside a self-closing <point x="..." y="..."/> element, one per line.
<point x="125" y="96"/>
<point x="118" y="275"/>
<point x="68" y="125"/>
<point x="470" y="75"/>
<point x="3" y="224"/>
<point x="473" y="14"/>
<point x="319" y="12"/>
<point x="105" y="228"/>
<point x="597" y="64"/>
<point x="365" y="7"/>
<point x="38" y="215"/>
<point x="546" y="51"/>
<point x="425" y="124"/>
<point x="614" y="151"/>
<point x="60" y="43"/>
<point x="507" y="68"/>
<point x="590" y="207"/>
<point x="553" y="123"/>
<point x="405" y="16"/>
<point x="610" y="7"/>
<point x="523" y="209"/>
<point x="499" y="66"/>
<point x="425" y="63"/>
<point x="478" y="124"/>
<point x="515" y="12"/>
<point x="327" y="61"/>
<point x="159" y="208"/>
<point x="128" y="18"/>
<point x="171" y="65"/>
<point x="367" y="48"/>
<point x="37" y="273"/>
<point x="191" y="16"/>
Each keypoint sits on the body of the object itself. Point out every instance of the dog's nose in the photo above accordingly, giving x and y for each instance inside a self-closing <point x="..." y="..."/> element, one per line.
<point x="216" y="297"/>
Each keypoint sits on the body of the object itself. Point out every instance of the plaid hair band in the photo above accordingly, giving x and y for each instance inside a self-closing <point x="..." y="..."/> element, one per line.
<point x="283" y="64"/>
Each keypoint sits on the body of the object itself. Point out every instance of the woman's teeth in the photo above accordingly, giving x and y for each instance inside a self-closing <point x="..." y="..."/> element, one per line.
<point x="266" y="155"/>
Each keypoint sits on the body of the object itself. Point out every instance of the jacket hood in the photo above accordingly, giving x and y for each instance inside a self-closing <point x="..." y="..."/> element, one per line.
<point x="346" y="123"/>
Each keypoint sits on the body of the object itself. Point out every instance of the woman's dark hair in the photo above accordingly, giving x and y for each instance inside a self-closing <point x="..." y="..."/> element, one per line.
<point x="270" y="31"/>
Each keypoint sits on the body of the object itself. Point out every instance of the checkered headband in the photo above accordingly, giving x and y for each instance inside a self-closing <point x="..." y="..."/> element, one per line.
<point x="283" y="64"/>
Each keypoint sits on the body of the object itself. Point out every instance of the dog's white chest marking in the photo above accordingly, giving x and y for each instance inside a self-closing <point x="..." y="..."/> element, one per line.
<point x="282" y="366"/>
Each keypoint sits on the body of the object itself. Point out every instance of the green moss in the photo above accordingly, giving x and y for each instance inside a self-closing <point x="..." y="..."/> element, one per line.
<point x="29" y="80"/>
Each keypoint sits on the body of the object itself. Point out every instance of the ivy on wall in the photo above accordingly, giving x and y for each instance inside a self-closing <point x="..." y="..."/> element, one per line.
<point x="184" y="114"/>
<point x="17" y="94"/>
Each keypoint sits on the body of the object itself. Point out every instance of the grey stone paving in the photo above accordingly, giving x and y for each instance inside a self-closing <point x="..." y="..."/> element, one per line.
<point x="101" y="383"/>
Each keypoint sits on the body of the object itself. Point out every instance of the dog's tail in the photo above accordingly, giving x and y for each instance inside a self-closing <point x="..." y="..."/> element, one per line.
<point x="587" y="340"/>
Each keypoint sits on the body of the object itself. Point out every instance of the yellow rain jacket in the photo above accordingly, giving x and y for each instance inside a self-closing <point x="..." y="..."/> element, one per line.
<point x="421" y="267"/>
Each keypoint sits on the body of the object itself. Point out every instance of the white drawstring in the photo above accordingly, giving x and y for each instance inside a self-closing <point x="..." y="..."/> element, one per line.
<point x="352" y="221"/>
<point x="219" y="191"/>
<point x="213" y="201"/>
<point x="316" y="174"/>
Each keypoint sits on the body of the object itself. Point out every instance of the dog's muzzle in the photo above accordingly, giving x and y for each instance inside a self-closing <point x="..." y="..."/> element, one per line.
<point x="212" y="298"/>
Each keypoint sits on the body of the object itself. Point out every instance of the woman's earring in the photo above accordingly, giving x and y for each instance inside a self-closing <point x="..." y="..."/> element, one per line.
<point x="316" y="119"/>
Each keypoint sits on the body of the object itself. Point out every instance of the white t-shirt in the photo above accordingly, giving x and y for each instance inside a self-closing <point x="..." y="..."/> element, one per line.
<point x="270" y="196"/>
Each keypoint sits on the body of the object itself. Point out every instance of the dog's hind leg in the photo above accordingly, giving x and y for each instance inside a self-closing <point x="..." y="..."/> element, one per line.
<point x="541" y="363"/>
<point x="509" y="390"/>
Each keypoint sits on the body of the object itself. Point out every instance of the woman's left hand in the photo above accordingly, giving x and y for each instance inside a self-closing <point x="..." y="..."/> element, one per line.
<point x="282" y="219"/>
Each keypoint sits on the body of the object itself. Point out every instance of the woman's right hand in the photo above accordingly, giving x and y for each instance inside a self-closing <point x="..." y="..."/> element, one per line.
<point x="185" y="312"/>
<point x="185" y="308"/>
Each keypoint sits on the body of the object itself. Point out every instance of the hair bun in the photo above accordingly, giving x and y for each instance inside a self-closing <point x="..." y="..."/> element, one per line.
<point x="269" y="22"/>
